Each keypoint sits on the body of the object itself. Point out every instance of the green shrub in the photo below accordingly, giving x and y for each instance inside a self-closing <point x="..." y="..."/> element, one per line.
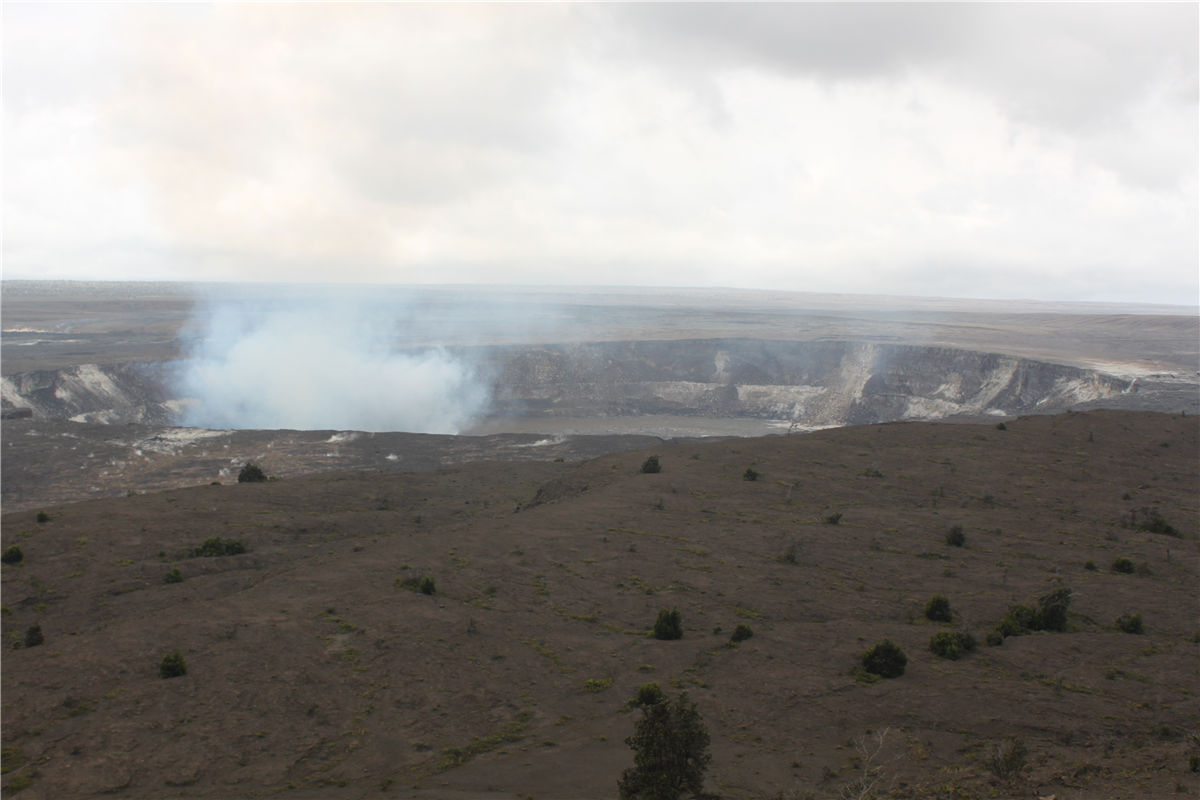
<point x="955" y="536"/>
<point x="1130" y="623"/>
<point x="952" y="644"/>
<point x="1019" y="619"/>
<point x="1124" y="566"/>
<point x="885" y="659"/>
<point x="43" y="517"/>
<point x="1151" y="521"/>
<point x="833" y="519"/>
<point x="651" y="465"/>
<point x="252" y="473"/>
<point x="938" y="609"/>
<point x="750" y="474"/>
<point x="595" y="685"/>
<point x="995" y="638"/>
<point x="1000" y="426"/>
<point x="741" y="633"/>
<point x="174" y="576"/>
<point x="172" y="665"/>
<point x="1050" y="615"/>
<point x="33" y="636"/>
<point x="1052" y="611"/>
<point x="424" y="585"/>
<point x="670" y="755"/>
<point x="1090" y="566"/>
<point x="669" y="625"/>
<point x="216" y="546"/>
<point x="648" y="694"/>
<point x="12" y="555"/>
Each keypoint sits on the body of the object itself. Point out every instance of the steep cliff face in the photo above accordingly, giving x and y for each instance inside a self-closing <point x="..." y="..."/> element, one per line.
<point x="115" y="393"/>
<point x="812" y="384"/>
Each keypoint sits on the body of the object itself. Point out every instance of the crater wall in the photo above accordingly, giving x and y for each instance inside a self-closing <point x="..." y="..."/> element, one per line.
<point x="809" y="384"/>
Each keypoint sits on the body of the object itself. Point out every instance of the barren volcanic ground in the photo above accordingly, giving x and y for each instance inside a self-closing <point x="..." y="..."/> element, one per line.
<point x="312" y="671"/>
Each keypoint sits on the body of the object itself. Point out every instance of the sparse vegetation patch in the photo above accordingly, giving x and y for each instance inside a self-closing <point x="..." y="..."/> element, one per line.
<point x="651" y="465"/>
<point x="1151" y="521"/>
<point x="12" y="554"/>
<point x="217" y="546"/>
<point x="1050" y="615"/>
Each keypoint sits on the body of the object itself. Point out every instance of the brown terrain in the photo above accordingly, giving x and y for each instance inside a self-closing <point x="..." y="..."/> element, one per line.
<point x="312" y="672"/>
<point x="315" y="670"/>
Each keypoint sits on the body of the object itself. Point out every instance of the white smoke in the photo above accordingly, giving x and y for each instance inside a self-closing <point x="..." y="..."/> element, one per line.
<point x="322" y="364"/>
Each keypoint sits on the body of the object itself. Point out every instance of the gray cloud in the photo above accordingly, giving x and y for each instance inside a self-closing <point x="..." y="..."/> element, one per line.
<point x="1048" y="150"/>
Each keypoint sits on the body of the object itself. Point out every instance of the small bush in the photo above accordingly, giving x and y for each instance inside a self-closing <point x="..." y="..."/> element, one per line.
<point x="12" y="555"/>
<point x="1007" y="759"/>
<point x="1050" y="615"/>
<point x="1124" y="566"/>
<point x="252" y="473"/>
<point x="669" y="625"/>
<point x="750" y="474"/>
<point x="1052" y="612"/>
<point x="995" y="638"/>
<point x="1151" y="521"/>
<point x="172" y="665"/>
<point x="651" y="465"/>
<point x="216" y="546"/>
<point x="423" y="585"/>
<point x="174" y="576"/>
<point x="1019" y="619"/>
<point x="1000" y="426"/>
<point x="955" y="536"/>
<point x="595" y="685"/>
<point x="1130" y="623"/>
<point x="833" y="519"/>
<point x="43" y="517"/>
<point x="648" y="694"/>
<point x="952" y="644"/>
<point x="33" y="636"/>
<point x="885" y="659"/>
<point x="938" y="609"/>
<point x="1090" y="566"/>
<point x="741" y="633"/>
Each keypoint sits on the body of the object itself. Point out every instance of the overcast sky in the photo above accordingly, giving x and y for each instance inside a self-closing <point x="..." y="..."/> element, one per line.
<point x="998" y="150"/>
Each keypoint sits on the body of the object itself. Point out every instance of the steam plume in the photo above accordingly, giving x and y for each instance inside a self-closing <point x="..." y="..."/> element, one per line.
<point x="313" y="364"/>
